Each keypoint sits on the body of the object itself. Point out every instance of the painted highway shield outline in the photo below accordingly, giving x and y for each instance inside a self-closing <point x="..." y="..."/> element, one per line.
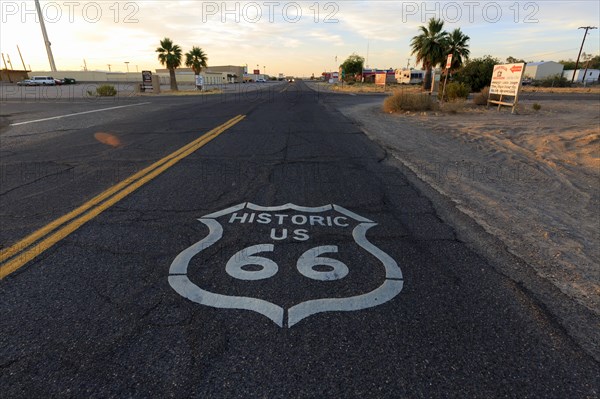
<point x="180" y="282"/>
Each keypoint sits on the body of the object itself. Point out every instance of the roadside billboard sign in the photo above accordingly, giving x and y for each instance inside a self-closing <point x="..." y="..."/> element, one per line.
<point x="146" y="80"/>
<point x="380" y="79"/>
<point x="506" y="81"/>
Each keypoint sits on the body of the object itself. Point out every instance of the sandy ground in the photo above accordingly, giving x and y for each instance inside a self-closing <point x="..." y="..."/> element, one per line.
<point x="532" y="180"/>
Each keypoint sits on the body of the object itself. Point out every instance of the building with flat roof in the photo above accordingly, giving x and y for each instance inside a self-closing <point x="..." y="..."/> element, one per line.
<point x="591" y="75"/>
<point x="542" y="70"/>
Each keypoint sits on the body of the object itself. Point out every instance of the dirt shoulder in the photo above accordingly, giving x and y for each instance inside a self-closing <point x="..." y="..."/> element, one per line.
<point x="531" y="180"/>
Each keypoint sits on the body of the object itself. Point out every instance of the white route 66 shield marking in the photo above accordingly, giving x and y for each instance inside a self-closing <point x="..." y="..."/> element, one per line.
<point x="391" y="287"/>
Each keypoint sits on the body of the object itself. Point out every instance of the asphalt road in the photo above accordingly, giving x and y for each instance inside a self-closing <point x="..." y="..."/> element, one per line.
<point x="282" y="257"/>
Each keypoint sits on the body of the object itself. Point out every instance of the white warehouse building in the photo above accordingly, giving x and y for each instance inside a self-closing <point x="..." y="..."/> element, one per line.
<point x="542" y="70"/>
<point x="591" y="75"/>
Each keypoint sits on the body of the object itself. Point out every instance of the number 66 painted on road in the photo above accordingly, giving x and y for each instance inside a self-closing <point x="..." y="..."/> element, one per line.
<point x="306" y="264"/>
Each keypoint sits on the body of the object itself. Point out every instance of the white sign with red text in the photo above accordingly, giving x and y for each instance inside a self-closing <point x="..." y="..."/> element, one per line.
<point x="506" y="79"/>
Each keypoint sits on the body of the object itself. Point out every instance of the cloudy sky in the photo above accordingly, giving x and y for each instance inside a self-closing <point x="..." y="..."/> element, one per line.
<point x="294" y="38"/>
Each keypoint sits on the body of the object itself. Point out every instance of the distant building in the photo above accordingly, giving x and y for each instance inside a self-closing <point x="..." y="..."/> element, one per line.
<point x="542" y="70"/>
<point x="409" y="76"/>
<point x="369" y="75"/>
<point x="13" y="75"/>
<point x="591" y="75"/>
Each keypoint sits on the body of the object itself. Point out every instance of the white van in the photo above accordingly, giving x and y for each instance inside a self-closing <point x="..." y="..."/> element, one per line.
<point x="43" y="80"/>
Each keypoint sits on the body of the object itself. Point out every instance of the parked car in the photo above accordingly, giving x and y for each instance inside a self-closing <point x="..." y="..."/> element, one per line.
<point x="69" y="81"/>
<point x="26" y="82"/>
<point x="261" y="80"/>
<point x="44" y="80"/>
<point x="58" y="82"/>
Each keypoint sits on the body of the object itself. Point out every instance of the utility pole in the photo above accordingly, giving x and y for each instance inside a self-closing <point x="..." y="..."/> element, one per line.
<point x="109" y="67"/>
<point x="127" y="64"/>
<point x="584" y="35"/>
<point x="84" y="65"/>
<point x="45" y="34"/>
<point x="587" y="58"/>
<point x="408" y="63"/>
<point x="9" y="62"/>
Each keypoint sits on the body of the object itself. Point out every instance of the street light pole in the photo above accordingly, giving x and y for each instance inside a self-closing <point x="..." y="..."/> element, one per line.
<point x="127" y="64"/>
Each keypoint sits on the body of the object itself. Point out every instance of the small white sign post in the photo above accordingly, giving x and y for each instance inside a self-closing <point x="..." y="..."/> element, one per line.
<point x="506" y="81"/>
<point x="448" y="65"/>
<point x="199" y="82"/>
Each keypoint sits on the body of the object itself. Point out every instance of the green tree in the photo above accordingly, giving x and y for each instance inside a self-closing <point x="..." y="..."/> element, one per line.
<point x="196" y="59"/>
<point x="595" y="62"/>
<point x="430" y="47"/>
<point x="353" y="65"/>
<point x="477" y="72"/>
<point x="458" y="45"/>
<point x="567" y="64"/>
<point x="169" y="55"/>
<point x="513" y="60"/>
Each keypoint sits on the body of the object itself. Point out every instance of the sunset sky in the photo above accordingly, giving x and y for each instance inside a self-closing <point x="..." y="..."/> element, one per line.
<point x="275" y="35"/>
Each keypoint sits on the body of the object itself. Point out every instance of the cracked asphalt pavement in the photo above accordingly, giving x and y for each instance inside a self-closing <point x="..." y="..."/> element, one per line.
<point x="286" y="257"/>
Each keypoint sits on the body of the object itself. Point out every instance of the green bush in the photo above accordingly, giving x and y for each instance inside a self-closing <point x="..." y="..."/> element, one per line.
<point x="552" y="81"/>
<point x="536" y="107"/>
<point x="455" y="90"/>
<point x="106" y="91"/>
<point x="401" y="101"/>
<point x="477" y="72"/>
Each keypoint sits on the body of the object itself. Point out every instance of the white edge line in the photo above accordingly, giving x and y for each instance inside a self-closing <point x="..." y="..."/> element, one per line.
<point x="77" y="113"/>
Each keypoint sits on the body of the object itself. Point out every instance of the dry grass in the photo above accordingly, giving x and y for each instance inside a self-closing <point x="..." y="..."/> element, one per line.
<point x="368" y="88"/>
<point x="409" y="101"/>
<point x="530" y="89"/>
<point x="454" y="107"/>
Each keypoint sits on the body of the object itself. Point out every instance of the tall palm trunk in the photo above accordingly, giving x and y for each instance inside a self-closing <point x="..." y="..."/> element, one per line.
<point x="427" y="80"/>
<point x="172" y="78"/>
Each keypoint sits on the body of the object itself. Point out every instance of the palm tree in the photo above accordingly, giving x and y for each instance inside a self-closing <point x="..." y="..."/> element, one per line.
<point x="430" y="47"/>
<point x="458" y="45"/>
<point x="169" y="54"/>
<point x="196" y="59"/>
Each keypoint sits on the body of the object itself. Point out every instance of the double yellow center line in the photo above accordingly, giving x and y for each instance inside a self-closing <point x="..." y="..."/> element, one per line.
<point x="11" y="259"/>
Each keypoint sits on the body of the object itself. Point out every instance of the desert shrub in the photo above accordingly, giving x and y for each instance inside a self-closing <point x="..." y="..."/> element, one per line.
<point x="477" y="72"/>
<point x="454" y="106"/>
<point x="536" y="107"/>
<point x="401" y="101"/>
<point x="482" y="97"/>
<point x="455" y="90"/>
<point x="351" y="83"/>
<point x="105" y="91"/>
<point x="552" y="81"/>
